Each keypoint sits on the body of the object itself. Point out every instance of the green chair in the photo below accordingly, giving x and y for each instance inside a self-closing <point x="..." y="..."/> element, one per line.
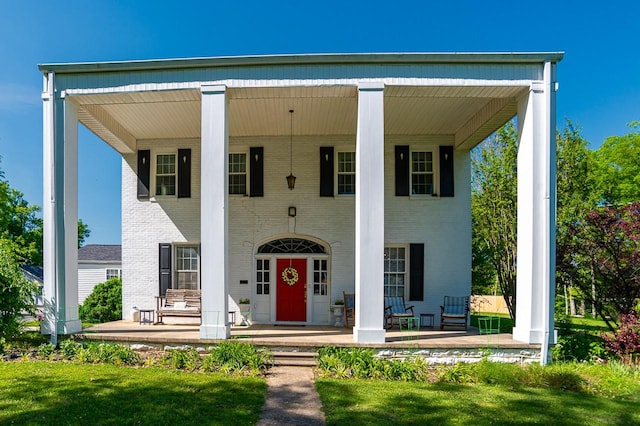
<point x="395" y="308"/>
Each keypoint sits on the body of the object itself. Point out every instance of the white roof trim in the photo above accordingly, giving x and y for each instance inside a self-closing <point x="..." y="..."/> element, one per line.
<point x="305" y="59"/>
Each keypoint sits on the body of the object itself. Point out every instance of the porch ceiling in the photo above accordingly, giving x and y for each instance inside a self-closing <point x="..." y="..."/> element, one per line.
<point x="469" y="112"/>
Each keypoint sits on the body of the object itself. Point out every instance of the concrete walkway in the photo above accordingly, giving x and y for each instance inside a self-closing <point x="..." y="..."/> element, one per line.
<point x="291" y="398"/>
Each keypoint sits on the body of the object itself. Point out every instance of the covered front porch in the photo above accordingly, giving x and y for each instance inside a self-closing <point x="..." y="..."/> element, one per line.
<point x="442" y="346"/>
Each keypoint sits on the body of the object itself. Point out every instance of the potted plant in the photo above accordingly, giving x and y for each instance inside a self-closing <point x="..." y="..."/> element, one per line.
<point x="245" y="311"/>
<point x="338" y="311"/>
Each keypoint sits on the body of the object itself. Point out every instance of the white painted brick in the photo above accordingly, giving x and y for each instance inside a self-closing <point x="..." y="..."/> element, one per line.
<point x="442" y="224"/>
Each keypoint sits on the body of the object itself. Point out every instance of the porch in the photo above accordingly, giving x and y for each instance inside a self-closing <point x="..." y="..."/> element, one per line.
<point x="305" y="338"/>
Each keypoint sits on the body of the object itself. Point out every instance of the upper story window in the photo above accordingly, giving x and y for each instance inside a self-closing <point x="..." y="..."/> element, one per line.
<point x="238" y="174"/>
<point x="166" y="174"/>
<point x="422" y="173"/>
<point x="346" y="172"/>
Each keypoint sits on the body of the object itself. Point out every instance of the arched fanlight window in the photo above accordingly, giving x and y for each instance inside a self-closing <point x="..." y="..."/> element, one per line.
<point x="292" y="246"/>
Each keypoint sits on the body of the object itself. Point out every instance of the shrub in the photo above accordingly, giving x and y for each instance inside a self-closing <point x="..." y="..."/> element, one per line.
<point x="45" y="351"/>
<point x="15" y="290"/>
<point x="236" y="357"/>
<point x="625" y="342"/>
<point x="182" y="359"/>
<point x="104" y="304"/>
<point x="69" y="349"/>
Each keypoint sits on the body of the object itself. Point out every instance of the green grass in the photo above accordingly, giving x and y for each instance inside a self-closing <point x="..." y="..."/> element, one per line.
<point x="591" y="325"/>
<point x="376" y="402"/>
<point x="46" y="393"/>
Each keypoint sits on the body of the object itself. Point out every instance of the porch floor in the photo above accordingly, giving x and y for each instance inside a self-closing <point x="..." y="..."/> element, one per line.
<point x="309" y="336"/>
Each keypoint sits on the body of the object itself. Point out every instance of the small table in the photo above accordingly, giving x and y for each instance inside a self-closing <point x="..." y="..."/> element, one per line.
<point x="429" y="320"/>
<point x="147" y="316"/>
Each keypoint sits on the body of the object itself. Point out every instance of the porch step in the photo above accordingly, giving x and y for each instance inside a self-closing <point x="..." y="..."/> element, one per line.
<point x="295" y="359"/>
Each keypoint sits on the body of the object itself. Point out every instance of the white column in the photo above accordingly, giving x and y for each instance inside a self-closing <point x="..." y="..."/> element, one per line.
<point x="214" y="203"/>
<point x="60" y="212"/>
<point x="536" y="213"/>
<point x="369" y="321"/>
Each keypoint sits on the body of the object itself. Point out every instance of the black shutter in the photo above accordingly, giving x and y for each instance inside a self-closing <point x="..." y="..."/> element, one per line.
<point x="326" y="171"/>
<point x="144" y="174"/>
<point x="402" y="170"/>
<point x="256" y="171"/>
<point x="416" y="272"/>
<point x="184" y="173"/>
<point x="446" y="171"/>
<point x="165" y="267"/>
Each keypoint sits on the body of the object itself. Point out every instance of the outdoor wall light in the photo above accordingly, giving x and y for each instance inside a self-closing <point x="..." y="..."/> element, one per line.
<point x="292" y="212"/>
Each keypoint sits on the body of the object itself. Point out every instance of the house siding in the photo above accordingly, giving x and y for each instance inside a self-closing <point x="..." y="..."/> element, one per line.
<point x="442" y="224"/>
<point x="90" y="275"/>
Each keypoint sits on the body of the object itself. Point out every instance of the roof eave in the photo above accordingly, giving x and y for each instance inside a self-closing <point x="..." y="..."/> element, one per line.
<point x="305" y="59"/>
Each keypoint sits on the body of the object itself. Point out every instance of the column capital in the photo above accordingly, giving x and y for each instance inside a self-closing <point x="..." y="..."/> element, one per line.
<point x="213" y="89"/>
<point x="371" y="86"/>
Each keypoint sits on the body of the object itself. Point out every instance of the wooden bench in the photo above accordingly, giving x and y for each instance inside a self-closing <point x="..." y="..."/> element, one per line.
<point x="179" y="303"/>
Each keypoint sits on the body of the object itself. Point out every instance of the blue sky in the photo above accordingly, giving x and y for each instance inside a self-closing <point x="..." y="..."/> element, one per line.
<point x="599" y="75"/>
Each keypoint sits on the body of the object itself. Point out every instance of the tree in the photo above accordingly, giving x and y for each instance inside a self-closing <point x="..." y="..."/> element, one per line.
<point x="83" y="232"/>
<point x="16" y="292"/>
<point x="616" y="170"/>
<point x="493" y="206"/>
<point x="575" y="198"/>
<point x="19" y="222"/>
<point x="609" y="237"/>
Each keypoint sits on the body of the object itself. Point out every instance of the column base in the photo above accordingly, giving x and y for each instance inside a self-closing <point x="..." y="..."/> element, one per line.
<point x="369" y="335"/>
<point x="63" y="327"/>
<point x="215" y="332"/>
<point x="533" y="336"/>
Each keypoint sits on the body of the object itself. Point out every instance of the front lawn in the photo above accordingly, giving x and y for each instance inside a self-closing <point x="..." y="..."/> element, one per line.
<point x="60" y="393"/>
<point x="376" y="402"/>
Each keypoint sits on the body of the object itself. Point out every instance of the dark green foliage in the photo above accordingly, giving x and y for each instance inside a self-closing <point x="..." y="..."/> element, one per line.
<point x="16" y="292"/>
<point x="104" y="304"/>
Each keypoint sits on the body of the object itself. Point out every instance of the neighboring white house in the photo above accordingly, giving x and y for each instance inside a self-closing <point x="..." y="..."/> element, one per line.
<point x="379" y="145"/>
<point x="97" y="263"/>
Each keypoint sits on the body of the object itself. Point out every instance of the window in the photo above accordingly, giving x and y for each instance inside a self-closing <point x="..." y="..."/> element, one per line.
<point x="422" y="173"/>
<point x="238" y="174"/>
<point x="320" y="277"/>
<point x="262" y="276"/>
<point x="166" y="174"/>
<point x="395" y="267"/>
<point x="113" y="273"/>
<point x="187" y="267"/>
<point x="346" y="172"/>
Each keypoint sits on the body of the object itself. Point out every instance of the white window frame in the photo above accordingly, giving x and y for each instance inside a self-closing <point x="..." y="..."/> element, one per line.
<point x="174" y="174"/>
<point x="405" y="273"/>
<point x="433" y="172"/>
<point x="320" y="283"/>
<point x="265" y="273"/>
<point x="108" y="270"/>
<point x="177" y="271"/>
<point x="343" y="173"/>
<point x="245" y="173"/>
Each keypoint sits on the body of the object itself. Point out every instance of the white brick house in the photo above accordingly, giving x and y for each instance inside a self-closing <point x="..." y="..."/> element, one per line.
<point x="379" y="144"/>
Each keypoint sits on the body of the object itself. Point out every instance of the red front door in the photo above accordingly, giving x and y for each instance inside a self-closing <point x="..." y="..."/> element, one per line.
<point x="291" y="294"/>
